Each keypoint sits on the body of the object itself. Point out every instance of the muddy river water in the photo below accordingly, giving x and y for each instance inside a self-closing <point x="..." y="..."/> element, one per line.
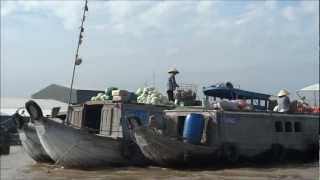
<point x="18" y="166"/>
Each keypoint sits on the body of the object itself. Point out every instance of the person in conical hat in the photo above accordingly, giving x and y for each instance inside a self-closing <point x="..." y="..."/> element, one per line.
<point x="172" y="84"/>
<point x="283" y="101"/>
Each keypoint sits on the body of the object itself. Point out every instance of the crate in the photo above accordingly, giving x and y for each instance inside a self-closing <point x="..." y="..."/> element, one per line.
<point x="120" y="98"/>
<point x="119" y="93"/>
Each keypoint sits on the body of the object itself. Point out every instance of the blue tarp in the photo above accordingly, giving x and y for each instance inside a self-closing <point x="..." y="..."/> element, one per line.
<point x="232" y="93"/>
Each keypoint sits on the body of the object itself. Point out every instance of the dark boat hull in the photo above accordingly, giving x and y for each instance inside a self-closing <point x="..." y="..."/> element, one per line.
<point x="77" y="148"/>
<point x="167" y="151"/>
<point x="31" y="144"/>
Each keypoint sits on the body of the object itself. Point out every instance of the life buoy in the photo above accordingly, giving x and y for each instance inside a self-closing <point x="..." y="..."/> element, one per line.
<point x="34" y="110"/>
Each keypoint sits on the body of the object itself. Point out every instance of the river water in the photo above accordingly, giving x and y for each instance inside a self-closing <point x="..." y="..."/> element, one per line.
<point x="18" y="166"/>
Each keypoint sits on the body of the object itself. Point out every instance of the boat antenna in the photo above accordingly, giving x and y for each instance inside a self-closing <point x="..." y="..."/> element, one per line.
<point x="77" y="60"/>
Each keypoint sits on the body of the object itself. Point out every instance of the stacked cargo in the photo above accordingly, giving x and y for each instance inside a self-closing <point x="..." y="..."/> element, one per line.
<point x="149" y="95"/>
<point x="120" y="95"/>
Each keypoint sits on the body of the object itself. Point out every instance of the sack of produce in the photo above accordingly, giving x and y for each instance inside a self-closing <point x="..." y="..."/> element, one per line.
<point x="139" y="91"/>
<point x="105" y="97"/>
<point x="149" y="95"/>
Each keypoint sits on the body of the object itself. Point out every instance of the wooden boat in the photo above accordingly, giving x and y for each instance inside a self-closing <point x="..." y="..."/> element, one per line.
<point x="97" y="135"/>
<point x="267" y="136"/>
<point x="72" y="147"/>
<point x="167" y="151"/>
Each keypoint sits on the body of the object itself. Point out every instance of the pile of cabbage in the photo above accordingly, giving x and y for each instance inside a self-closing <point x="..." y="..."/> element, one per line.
<point x="107" y="95"/>
<point x="149" y="95"/>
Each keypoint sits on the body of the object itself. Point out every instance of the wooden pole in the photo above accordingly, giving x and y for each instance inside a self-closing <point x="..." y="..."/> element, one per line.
<point x="77" y="56"/>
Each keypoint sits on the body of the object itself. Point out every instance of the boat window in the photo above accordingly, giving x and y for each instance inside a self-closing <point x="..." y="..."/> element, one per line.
<point x="278" y="126"/>
<point x="92" y="117"/>
<point x="297" y="127"/>
<point x="248" y="101"/>
<point x="262" y="102"/>
<point x="255" y="102"/>
<point x="288" y="126"/>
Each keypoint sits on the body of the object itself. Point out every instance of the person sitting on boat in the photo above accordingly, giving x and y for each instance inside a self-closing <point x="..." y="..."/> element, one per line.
<point x="303" y="106"/>
<point x="283" y="101"/>
<point x="172" y="84"/>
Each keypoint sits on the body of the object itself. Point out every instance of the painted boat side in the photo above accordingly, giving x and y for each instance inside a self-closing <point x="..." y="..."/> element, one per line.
<point x="71" y="147"/>
<point x="253" y="133"/>
<point x="167" y="151"/>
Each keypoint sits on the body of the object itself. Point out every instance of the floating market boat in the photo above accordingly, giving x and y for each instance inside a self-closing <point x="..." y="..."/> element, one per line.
<point x="256" y="134"/>
<point x="97" y="134"/>
<point x="72" y="147"/>
<point x="252" y="135"/>
<point x="169" y="151"/>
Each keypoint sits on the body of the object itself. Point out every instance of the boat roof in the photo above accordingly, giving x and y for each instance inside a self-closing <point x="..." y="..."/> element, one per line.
<point x="231" y="93"/>
<point x="314" y="87"/>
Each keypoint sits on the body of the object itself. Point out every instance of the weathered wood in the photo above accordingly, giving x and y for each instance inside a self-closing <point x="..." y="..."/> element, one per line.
<point x="31" y="144"/>
<point x="253" y="133"/>
<point x="168" y="151"/>
<point x="71" y="147"/>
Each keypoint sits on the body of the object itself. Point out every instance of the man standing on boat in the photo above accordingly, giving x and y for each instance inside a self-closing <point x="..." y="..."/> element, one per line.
<point x="283" y="101"/>
<point x="172" y="84"/>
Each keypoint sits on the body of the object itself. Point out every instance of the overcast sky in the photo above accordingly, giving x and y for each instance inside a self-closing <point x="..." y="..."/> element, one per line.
<point x="260" y="45"/>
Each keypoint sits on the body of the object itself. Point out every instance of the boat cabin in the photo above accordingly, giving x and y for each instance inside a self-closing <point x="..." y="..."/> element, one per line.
<point x="107" y="118"/>
<point x="259" y="101"/>
<point x="250" y="133"/>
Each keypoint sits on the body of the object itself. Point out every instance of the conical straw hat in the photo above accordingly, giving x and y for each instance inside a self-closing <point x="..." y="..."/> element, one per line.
<point x="174" y="70"/>
<point x="283" y="92"/>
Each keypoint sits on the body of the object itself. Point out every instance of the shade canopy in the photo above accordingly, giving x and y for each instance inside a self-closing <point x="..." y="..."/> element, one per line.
<point x="314" y="87"/>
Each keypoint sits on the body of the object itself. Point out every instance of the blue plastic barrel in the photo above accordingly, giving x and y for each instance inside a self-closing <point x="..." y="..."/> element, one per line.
<point x="193" y="128"/>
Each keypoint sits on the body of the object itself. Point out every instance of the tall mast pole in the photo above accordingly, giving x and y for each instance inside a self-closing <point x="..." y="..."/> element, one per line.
<point x="77" y="60"/>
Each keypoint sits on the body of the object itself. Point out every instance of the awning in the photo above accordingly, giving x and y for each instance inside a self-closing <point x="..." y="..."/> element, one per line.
<point x="314" y="87"/>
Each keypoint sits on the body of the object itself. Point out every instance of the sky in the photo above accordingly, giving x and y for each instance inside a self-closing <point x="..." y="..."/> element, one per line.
<point x="260" y="45"/>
